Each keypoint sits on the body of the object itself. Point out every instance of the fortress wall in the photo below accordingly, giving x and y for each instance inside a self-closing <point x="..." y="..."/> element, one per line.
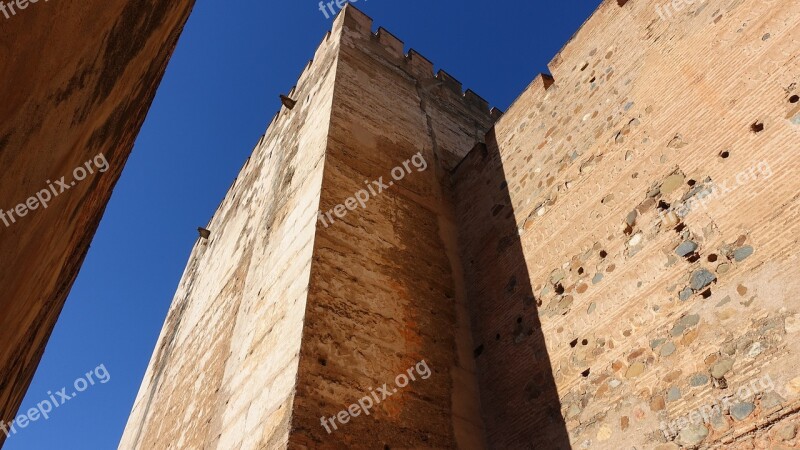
<point x="224" y="369"/>
<point x="643" y="117"/>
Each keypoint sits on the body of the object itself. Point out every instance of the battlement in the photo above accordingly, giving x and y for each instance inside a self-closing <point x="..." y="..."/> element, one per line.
<point x="412" y="62"/>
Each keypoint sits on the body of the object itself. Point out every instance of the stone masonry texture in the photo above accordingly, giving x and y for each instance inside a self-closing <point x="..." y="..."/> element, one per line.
<point x="78" y="79"/>
<point x="609" y="264"/>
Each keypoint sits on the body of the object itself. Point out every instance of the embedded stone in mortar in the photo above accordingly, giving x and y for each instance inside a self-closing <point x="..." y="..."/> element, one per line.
<point x="686" y="248"/>
<point x="743" y="253"/>
<point x="741" y="411"/>
<point x="702" y="278"/>
<point x="721" y="368"/>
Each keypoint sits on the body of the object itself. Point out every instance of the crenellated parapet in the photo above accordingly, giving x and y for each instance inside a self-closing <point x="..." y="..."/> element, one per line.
<point x="412" y="63"/>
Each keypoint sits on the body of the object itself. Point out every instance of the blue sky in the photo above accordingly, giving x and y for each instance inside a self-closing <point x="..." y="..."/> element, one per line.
<point x="218" y="95"/>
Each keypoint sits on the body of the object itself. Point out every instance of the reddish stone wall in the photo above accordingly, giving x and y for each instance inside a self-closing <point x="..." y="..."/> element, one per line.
<point x="385" y="283"/>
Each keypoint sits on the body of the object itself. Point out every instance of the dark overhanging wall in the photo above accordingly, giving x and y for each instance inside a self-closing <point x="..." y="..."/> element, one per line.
<point x="78" y="80"/>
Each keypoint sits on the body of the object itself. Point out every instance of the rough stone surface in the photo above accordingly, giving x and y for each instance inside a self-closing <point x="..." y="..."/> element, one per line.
<point x="78" y="80"/>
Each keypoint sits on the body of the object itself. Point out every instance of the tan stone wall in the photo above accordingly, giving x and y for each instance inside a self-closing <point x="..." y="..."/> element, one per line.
<point x="385" y="284"/>
<point x="223" y="373"/>
<point x="643" y="114"/>
<point x="78" y="79"/>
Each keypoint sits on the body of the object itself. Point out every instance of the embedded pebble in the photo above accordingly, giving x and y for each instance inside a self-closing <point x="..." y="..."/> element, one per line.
<point x="656" y="342"/>
<point x="685" y="323"/>
<point x="719" y="369"/>
<point x="686" y="248"/>
<point x="729" y="349"/>
<point x="755" y="350"/>
<point x="557" y="276"/>
<point x="698" y="380"/>
<point x="597" y="278"/>
<point x="771" y="400"/>
<point x="787" y="432"/>
<point x="671" y="260"/>
<point x="604" y="433"/>
<point x="634" y="370"/>
<point x="743" y="253"/>
<point x="741" y="411"/>
<point x="668" y="349"/>
<point x="702" y="278"/>
<point x="631" y="219"/>
<point x="723" y="268"/>
<point x="692" y="435"/>
<point x="573" y="410"/>
<point x="718" y="422"/>
<point x="674" y="394"/>
<point x="685" y="294"/>
<point x="672" y="183"/>
<point x="742" y="290"/>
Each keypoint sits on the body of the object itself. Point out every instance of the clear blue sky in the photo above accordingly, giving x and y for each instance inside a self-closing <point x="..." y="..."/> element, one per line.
<point x="218" y="95"/>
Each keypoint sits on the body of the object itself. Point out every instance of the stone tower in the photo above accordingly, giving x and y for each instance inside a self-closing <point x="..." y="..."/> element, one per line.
<point x="296" y="307"/>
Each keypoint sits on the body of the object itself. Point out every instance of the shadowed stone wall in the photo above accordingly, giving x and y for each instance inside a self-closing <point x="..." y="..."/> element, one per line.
<point x="78" y="79"/>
